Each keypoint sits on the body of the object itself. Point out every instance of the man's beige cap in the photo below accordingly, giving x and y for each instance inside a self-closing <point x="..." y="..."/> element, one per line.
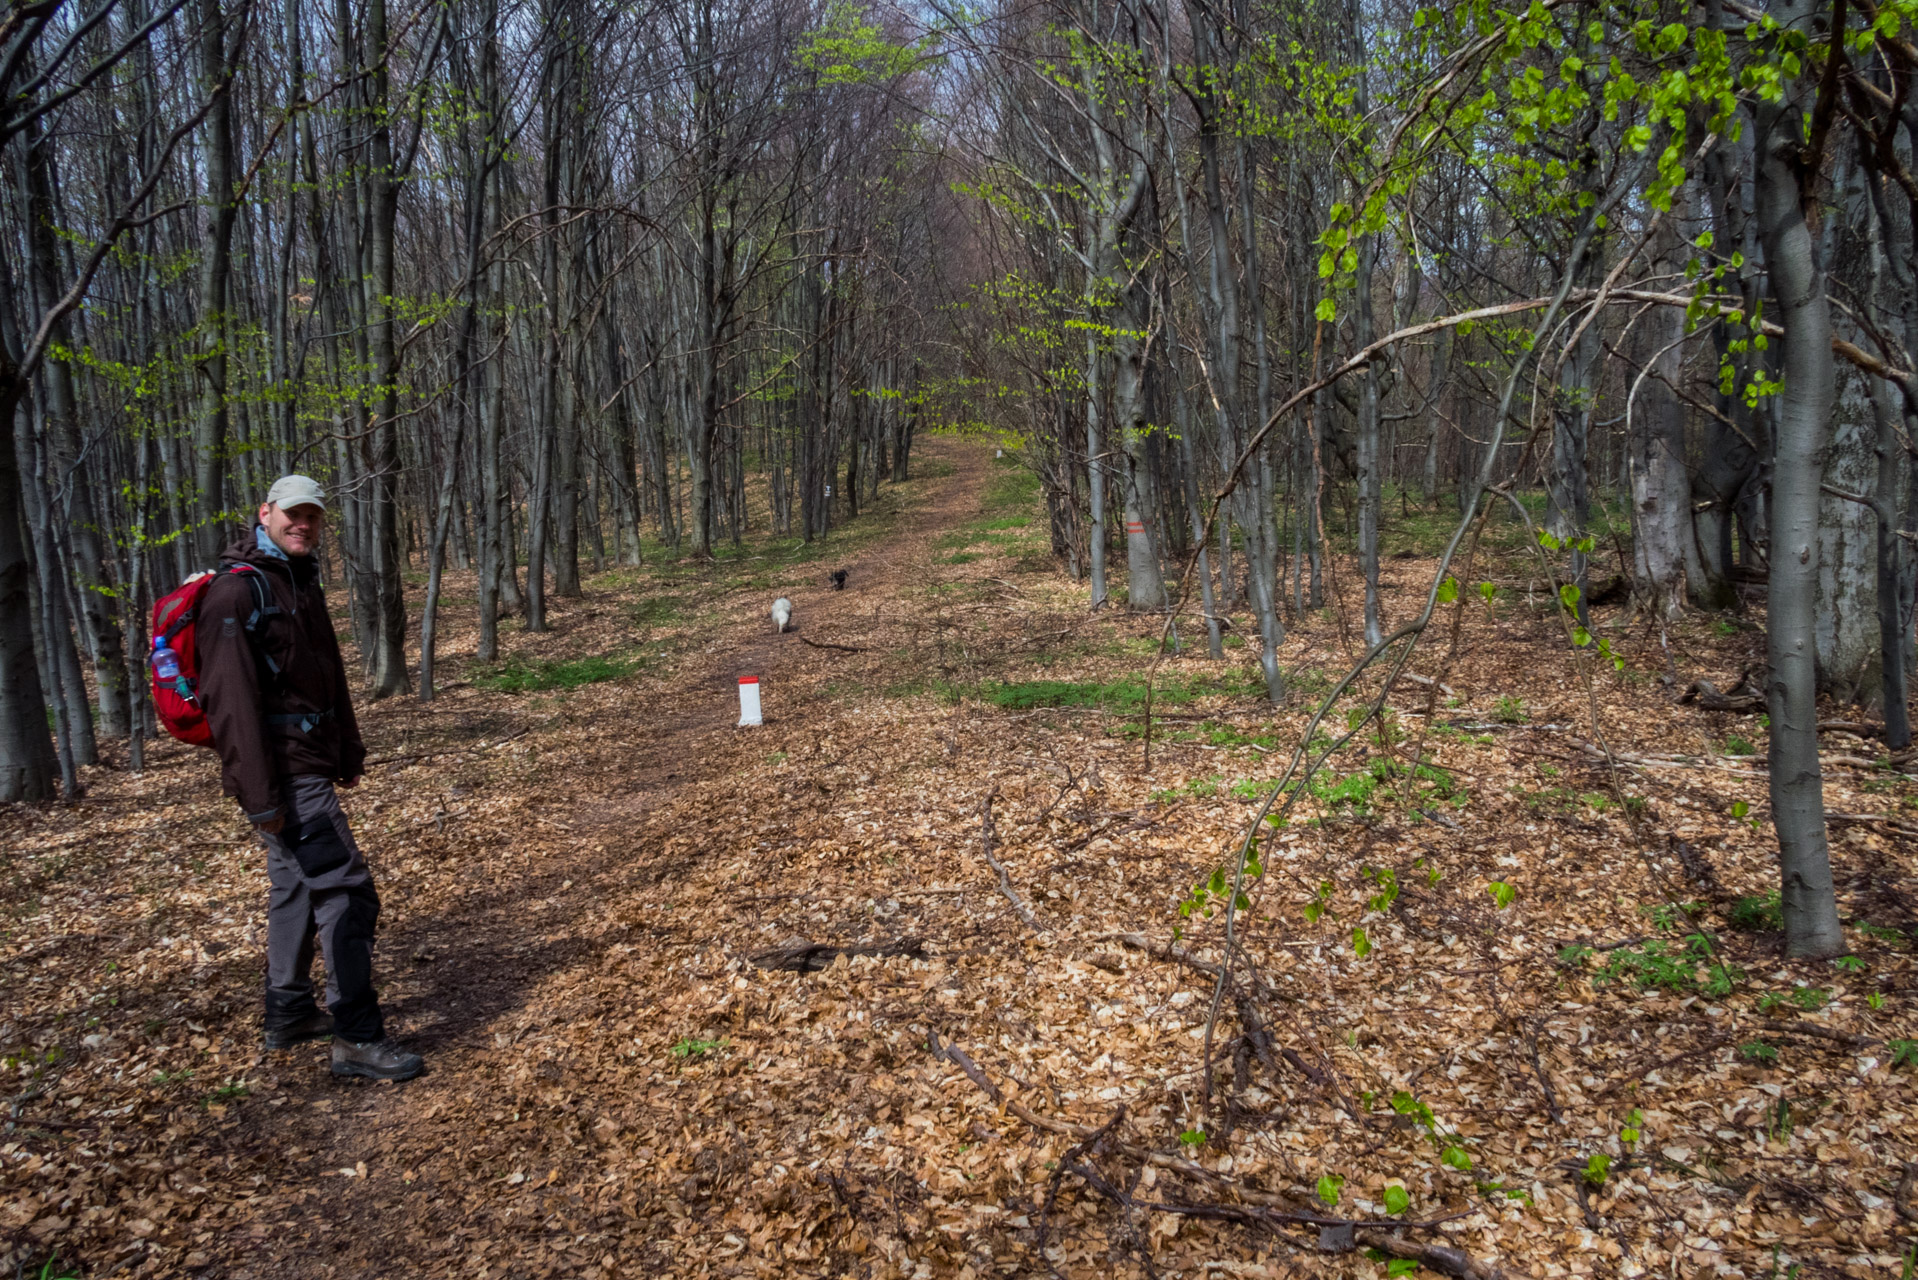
<point x="296" y="491"/>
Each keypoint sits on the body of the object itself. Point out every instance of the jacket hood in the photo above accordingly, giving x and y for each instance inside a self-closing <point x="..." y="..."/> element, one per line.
<point x="247" y="550"/>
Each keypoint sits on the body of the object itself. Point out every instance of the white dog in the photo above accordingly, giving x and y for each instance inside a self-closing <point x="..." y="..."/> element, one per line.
<point x="782" y="613"/>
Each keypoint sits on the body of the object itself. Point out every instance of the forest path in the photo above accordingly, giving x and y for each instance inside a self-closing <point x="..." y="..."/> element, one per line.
<point x="589" y="874"/>
<point x="373" y="1180"/>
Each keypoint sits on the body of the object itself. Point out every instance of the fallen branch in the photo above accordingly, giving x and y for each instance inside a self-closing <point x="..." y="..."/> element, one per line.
<point x="801" y="956"/>
<point x="826" y="644"/>
<point x="1428" y="682"/>
<point x="1815" y="1031"/>
<point x="1706" y="695"/>
<point x="1273" y="1210"/>
<point x="1179" y="955"/>
<point x="1870" y="820"/>
<point x="1005" y="879"/>
<point x="1717" y="1040"/>
<point x="1544" y="1080"/>
<point x="449" y="751"/>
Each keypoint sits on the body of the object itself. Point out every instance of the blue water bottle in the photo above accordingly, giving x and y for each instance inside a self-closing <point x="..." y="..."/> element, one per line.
<point x="166" y="663"/>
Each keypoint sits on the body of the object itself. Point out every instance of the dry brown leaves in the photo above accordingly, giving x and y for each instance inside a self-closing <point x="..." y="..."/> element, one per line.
<point x="576" y="883"/>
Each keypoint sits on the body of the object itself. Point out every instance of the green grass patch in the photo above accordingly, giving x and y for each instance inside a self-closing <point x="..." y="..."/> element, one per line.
<point x="516" y="675"/>
<point x="945" y="690"/>
<point x="1686" y="965"/>
<point x="1125" y="696"/>
<point x="1215" y="734"/>
<point x="1759" y="914"/>
<point x="655" y="610"/>
<point x="1012" y="489"/>
<point x="1247" y="789"/>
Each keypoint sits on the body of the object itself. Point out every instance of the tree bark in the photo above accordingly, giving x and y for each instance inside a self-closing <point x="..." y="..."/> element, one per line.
<point x="216" y="267"/>
<point x="1804" y="411"/>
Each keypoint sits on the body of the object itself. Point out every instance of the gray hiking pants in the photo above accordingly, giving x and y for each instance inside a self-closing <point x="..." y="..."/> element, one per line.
<point x="321" y="891"/>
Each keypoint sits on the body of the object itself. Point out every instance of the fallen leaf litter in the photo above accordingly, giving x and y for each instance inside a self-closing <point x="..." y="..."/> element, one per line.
<point x="680" y="984"/>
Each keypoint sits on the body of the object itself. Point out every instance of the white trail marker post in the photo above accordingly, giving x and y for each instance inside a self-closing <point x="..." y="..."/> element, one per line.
<point x="749" y="701"/>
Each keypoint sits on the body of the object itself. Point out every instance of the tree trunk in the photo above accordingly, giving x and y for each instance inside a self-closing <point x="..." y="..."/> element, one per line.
<point x="1804" y="411"/>
<point x="1370" y="491"/>
<point x="216" y="265"/>
<point x="1661" y="489"/>
<point x="1095" y="473"/>
<point x="389" y="650"/>
<point x="1846" y="624"/>
<point x="28" y="766"/>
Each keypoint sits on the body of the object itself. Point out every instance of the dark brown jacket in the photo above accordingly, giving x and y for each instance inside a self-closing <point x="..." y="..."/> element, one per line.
<point x="269" y="726"/>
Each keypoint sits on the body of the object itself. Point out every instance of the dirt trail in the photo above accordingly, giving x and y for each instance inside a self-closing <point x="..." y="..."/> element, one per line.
<point x="359" y="1179"/>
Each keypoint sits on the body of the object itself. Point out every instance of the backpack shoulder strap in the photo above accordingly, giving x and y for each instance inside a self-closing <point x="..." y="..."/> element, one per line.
<point x="263" y="606"/>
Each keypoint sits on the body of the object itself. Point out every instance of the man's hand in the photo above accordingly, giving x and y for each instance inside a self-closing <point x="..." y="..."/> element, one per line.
<point x="271" y="827"/>
<point x="351" y="782"/>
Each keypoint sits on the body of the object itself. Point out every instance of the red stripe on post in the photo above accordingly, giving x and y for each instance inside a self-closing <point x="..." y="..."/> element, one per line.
<point x="749" y="679"/>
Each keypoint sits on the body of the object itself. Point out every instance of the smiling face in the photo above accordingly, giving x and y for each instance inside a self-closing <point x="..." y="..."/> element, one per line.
<point x="294" y="530"/>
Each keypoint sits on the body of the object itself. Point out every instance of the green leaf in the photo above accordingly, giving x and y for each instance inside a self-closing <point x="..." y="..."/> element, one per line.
<point x="1487" y="590"/>
<point x="1192" y="1137"/>
<point x="1361" y="945"/>
<point x="1448" y="591"/>
<point x="1581" y="637"/>
<point x="1568" y="594"/>
<point x="1397" y="1200"/>
<point x="1455" y="1158"/>
<point x="1502" y="893"/>
<point x="1598" y="1168"/>
<point x="1329" y="1187"/>
<point x="1326" y="310"/>
<point x="1401" y="1267"/>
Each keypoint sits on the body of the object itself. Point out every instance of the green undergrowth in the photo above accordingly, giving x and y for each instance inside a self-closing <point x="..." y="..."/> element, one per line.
<point x="1681" y="966"/>
<point x="518" y="675"/>
<point x="1124" y="696"/>
<point x="1383" y="784"/>
<point x="1214" y="734"/>
<point x="1012" y="491"/>
<point x="1759" y="914"/>
<point x="1386" y="783"/>
<point x="658" y="610"/>
<point x="1215" y="785"/>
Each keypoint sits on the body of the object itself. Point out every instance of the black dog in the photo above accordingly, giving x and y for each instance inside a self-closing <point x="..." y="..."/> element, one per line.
<point x="838" y="579"/>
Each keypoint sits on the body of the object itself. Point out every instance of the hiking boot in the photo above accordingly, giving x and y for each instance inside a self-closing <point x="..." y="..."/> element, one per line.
<point x="376" y="1060"/>
<point x="317" y="1025"/>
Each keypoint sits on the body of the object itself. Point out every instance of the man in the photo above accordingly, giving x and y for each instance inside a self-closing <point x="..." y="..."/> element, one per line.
<point x="276" y="698"/>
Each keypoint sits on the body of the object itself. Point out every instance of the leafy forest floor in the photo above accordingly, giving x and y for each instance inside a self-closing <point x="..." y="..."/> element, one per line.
<point x="687" y="991"/>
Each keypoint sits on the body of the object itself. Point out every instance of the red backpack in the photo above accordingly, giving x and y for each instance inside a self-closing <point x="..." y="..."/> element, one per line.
<point x="175" y="664"/>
